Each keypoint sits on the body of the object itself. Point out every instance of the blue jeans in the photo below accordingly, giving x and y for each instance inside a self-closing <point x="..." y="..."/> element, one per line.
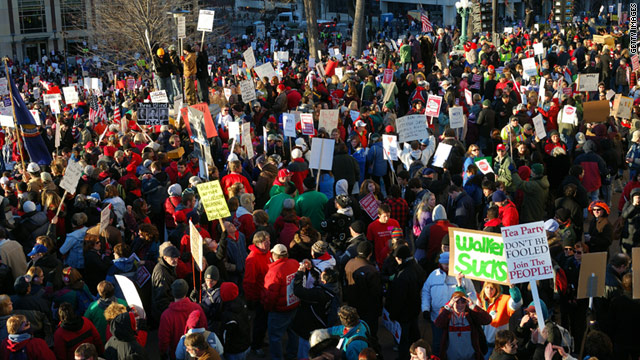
<point x="166" y="85"/>
<point x="278" y="323"/>
<point x="176" y="85"/>
<point x="239" y="356"/>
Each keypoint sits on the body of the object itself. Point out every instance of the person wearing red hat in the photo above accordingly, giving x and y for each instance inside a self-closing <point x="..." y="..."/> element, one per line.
<point x="284" y="177"/>
<point x="281" y="104"/>
<point x="502" y="164"/>
<point x="235" y="323"/>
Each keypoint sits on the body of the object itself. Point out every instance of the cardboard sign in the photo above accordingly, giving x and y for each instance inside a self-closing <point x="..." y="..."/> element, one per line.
<point x="71" y="177"/>
<point x="538" y="124"/>
<point x="478" y="255"/>
<point x="130" y="293"/>
<point x="433" y="106"/>
<point x="635" y="262"/>
<point x="596" y="264"/>
<point x="587" y="82"/>
<point x="159" y="96"/>
<point x="321" y="154"/>
<point x="246" y="140"/>
<point x="213" y="200"/>
<point x="70" y="95"/>
<point x="468" y="96"/>
<point x="153" y="114"/>
<point x="527" y="251"/>
<point x="195" y="240"/>
<point x="456" y="117"/>
<point x="412" y="127"/>
<point x="622" y="106"/>
<point x="328" y="119"/>
<point x="265" y="70"/>
<point x="105" y="216"/>
<point x="604" y="39"/>
<point x="388" y="76"/>
<point x="484" y="166"/>
<point x="249" y="58"/>
<point x="390" y="147"/>
<point x="569" y="115"/>
<point x="538" y="49"/>
<point x="289" y="124"/>
<point x="370" y="205"/>
<point x="205" y="20"/>
<point x="529" y="67"/>
<point x="595" y="111"/>
<point x="442" y="154"/>
<point x="247" y="90"/>
<point x="307" y="124"/>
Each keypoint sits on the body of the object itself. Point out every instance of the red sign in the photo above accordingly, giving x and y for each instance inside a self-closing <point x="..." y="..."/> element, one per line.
<point x="131" y="83"/>
<point x="433" y="105"/>
<point x="307" y="124"/>
<point x="635" y="62"/>
<point x="567" y="91"/>
<point x="370" y="205"/>
<point x="388" y="76"/>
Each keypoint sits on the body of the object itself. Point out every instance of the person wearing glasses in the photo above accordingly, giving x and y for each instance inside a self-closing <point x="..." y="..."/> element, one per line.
<point x="506" y="346"/>
<point x="600" y="231"/>
<point x="19" y="329"/>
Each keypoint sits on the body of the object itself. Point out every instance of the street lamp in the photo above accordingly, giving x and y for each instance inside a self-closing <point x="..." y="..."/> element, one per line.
<point x="463" y="7"/>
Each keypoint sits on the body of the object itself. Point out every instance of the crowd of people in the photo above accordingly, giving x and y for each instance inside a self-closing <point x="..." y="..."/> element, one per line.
<point x="301" y="268"/>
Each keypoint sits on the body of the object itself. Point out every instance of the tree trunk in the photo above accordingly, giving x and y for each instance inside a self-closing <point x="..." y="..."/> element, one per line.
<point x="358" y="30"/>
<point x="312" y="27"/>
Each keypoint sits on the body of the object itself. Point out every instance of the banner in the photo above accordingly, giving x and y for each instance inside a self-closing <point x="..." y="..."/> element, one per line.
<point x="153" y="114"/>
<point x="213" y="200"/>
<point x="478" y="255"/>
<point x="412" y="127"/>
<point x="527" y="251"/>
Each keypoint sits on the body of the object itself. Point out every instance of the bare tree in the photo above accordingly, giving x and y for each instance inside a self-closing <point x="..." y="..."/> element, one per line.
<point x="312" y="27"/>
<point x="357" y="44"/>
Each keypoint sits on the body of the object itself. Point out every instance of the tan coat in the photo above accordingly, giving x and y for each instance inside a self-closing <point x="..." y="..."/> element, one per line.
<point x="189" y="65"/>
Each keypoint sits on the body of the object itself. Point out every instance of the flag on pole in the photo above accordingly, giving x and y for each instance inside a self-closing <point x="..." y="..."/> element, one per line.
<point x="97" y="115"/>
<point x="426" y="24"/>
<point x="33" y="141"/>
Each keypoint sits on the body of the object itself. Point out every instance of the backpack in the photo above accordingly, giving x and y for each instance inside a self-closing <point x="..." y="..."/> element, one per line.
<point x="567" y="340"/>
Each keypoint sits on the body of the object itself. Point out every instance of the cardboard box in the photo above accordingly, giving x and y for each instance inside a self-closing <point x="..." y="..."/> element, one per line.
<point x="595" y="111"/>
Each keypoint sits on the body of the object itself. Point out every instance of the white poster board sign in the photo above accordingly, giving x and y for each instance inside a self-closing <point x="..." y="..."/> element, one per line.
<point x="307" y="124"/>
<point x="247" y="90"/>
<point x="265" y="70"/>
<point x="71" y="177"/>
<point x="159" y="97"/>
<point x="441" y="155"/>
<point x="321" y="154"/>
<point x="4" y="86"/>
<point x="195" y="240"/>
<point x="456" y="117"/>
<point x="538" y="49"/>
<point x="249" y="58"/>
<point x="484" y="166"/>
<point x="529" y="66"/>
<point x="246" y="139"/>
<point x="105" y="216"/>
<point x="527" y="251"/>
<point x="131" y="294"/>
<point x="432" y="107"/>
<point x="390" y="147"/>
<point x="569" y="114"/>
<point x="588" y="82"/>
<point x="234" y="130"/>
<point x="36" y="117"/>
<point x="328" y="119"/>
<point x="538" y="125"/>
<point x="70" y="95"/>
<point x="205" y="20"/>
<point x="412" y="127"/>
<point x="289" y="124"/>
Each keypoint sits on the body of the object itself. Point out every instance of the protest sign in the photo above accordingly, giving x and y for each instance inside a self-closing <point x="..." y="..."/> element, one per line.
<point x="283" y="56"/>
<point x="635" y="63"/>
<point x="442" y="154"/>
<point x="159" y="96"/>
<point x="433" y="106"/>
<point x="72" y="174"/>
<point x="610" y="94"/>
<point x="478" y="255"/>
<point x="7" y="121"/>
<point x="587" y="82"/>
<point x="130" y="293"/>
<point x="247" y="90"/>
<point x="249" y="58"/>
<point x="456" y="117"/>
<point x="569" y="115"/>
<point x="4" y="86"/>
<point x="153" y="114"/>
<point x="538" y="124"/>
<point x="182" y="27"/>
<point x="390" y="147"/>
<point x="468" y="96"/>
<point x="265" y="70"/>
<point x="307" y="124"/>
<point x="527" y="252"/>
<point x="328" y="119"/>
<point x="246" y="140"/>
<point x="476" y="79"/>
<point x="529" y="66"/>
<point x="196" y="124"/>
<point x="369" y="204"/>
<point x="592" y="264"/>
<point x="105" y="216"/>
<point x="321" y="154"/>
<point x="595" y="111"/>
<point x="412" y="127"/>
<point x="55" y="107"/>
<point x="289" y="124"/>
<point x="195" y="241"/>
<point x="50" y="98"/>
<point x="70" y="95"/>
<point x="234" y="130"/>
<point x="538" y="48"/>
<point x="213" y="200"/>
<point x="484" y="166"/>
<point x="622" y="106"/>
<point x="205" y="20"/>
<point x="354" y="115"/>
<point x="388" y="92"/>
<point x="388" y="76"/>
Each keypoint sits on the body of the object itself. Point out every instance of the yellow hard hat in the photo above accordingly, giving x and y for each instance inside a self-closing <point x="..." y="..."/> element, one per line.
<point x="160" y="52"/>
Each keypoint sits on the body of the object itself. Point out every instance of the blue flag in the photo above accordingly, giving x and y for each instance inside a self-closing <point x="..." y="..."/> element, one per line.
<point x="33" y="141"/>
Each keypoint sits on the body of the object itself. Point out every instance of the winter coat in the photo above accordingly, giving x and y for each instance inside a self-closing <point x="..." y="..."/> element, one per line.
<point x="429" y="241"/>
<point x="594" y="170"/>
<point x="345" y="167"/>
<point x="314" y="310"/>
<point x="236" y="256"/>
<point x="501" y="169"/>
<point x="173" y="322"/>
<point x="631" y="215"/>
<point x="311" y="204"/>
<point x="601" y="232"/>
<point x="95" y="313"/>
<point x="462" y="211"/>
<point x="235" y="326"/>
<point x="161" y="279"/>
<point x="476" y="317"/>
<point x="500" y="309"/>
<point x="349" y="344"/>
<point x="123" y="342"/>
<point x="536" y="192"/>
<point x="29" y="227"/>
<point x="211" y="338"/>
<point x="363" y="288"/>
<point x="12" y="254"/>
<point x="277" y="295"/>
<point x="96" y="267"/>
<point x="189" y="65"/>
<point x="508" y="214"/>
<point x="35" y="348"/>
<point x="376" y="164"/>
<point x="73" y="246"/>
<point x="73" y="333"/>
<point x="403" y="301"/>
<point x="437" y="291"/>
<point x="256" y="267"/>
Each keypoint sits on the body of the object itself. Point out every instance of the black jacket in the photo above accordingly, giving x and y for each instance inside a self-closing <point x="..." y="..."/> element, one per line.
<point x="236" y="326"/>
<point x="404" y="296"/>
<point x="314" y="309"/>
<point x="123" y="342"/>
<point x="346" y="167"/>
<point x="161" y="279"/>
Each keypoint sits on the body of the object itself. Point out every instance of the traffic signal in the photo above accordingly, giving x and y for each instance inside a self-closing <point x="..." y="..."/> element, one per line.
<point x="563" y="11"/>
<point x="486" y="14"/>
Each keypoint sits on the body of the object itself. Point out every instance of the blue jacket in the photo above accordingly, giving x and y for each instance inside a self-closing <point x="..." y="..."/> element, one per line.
<point x="236" y="255"/>
<point x="352" y="348"/>
<point x="361" y="158"/>
<point x="72" y="247"/>
<point x="327" y="182"/>
<point x="121" y="266"/>
<point x="377" y="165"/>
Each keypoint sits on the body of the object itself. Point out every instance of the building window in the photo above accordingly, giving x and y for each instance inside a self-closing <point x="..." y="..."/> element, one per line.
<point x="32" y="17"/>
<point x="73" y="14"/>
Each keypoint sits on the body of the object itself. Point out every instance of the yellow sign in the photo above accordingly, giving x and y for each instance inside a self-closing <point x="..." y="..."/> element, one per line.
<point x="213" y="200"/>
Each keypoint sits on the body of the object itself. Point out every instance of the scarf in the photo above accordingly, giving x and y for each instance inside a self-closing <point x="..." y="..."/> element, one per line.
<point x="16" y="338"/>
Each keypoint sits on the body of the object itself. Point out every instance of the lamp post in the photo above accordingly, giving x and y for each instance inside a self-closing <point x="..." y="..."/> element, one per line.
<point x="463" y="7"/>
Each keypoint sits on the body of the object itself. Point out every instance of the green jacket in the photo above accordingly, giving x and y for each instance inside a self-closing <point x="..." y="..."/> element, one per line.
<point x="536" y="192"/>
<point x="95" y="313"/>
<point x="501" y="169"/>
<point x="405" y="53"/>
<point x="274" y="206"/>
<point x="369" y="91"/>
<point x="311" y="204"/>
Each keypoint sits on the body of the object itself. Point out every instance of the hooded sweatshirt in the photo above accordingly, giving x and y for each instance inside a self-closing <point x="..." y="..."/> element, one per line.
<point x="123" y="342"/>
<point x="72" y="333"/>
<point x="173" y="322"/>
<point x="95" y="313"/>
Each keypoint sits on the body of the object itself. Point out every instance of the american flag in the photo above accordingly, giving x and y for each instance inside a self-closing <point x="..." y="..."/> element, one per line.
<point x="426" y="24"/>
<point x="98" y="115"/>
<point x="116" y="115"/>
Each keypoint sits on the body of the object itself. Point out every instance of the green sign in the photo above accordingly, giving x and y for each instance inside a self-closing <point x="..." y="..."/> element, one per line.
<point x="478" y="255"/>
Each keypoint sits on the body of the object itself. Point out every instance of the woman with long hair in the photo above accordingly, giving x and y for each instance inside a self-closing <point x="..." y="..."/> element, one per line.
<point x="500" y="306"/>
<point x="305" y="237"/>
<point x="422" y="212"/>
<point x="145" y="244"/>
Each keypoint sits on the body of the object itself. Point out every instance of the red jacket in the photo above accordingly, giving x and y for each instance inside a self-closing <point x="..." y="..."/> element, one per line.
<point x="66" y="339"/>
<point x="380" y="234"/>
<point x="243" y="220"/>
<point x="255" y="268"/>
<point x="170" y="205"/>
<point x="233" y="178"/>
<point x="552" y="115"/>
<point x="172" y="323"/>
<point x="508" y="214"/>
<point x="277" y="292"/>
<point x="36" y="349"/>
<point x="437" y="231"/>
<point x="299" y="176"/>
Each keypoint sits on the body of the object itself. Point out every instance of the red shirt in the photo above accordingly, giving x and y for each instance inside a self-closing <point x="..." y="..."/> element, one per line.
<point x="380" y="234"/>
<point x="233" y="178"/>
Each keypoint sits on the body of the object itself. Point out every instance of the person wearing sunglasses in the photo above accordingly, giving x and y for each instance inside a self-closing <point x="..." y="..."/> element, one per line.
<point x="600" y="231"/>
